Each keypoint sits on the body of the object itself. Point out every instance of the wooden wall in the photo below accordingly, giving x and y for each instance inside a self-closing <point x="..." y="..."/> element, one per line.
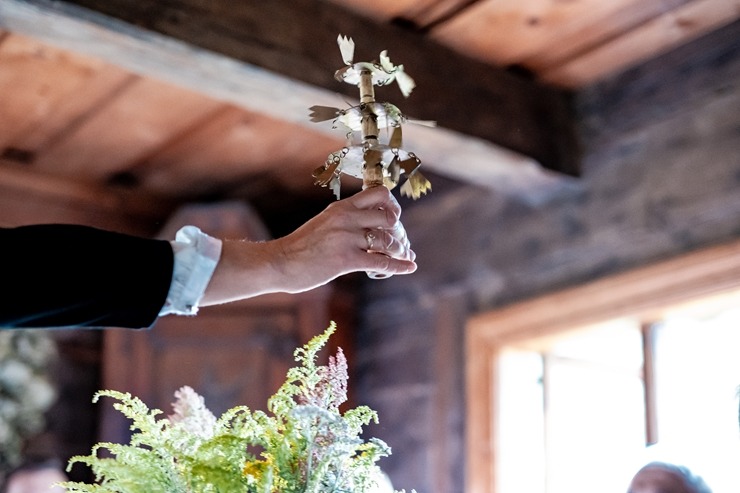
<point x="661" y="178"/>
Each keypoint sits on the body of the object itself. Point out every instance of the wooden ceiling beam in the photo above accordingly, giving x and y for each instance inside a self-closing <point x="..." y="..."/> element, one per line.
<point x="496" y="129"/>
<point x="73" y="195"/>
<point x="297" y="39"/>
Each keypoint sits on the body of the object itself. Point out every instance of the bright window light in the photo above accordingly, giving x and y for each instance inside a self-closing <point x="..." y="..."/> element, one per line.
<point x="571" y="414"/>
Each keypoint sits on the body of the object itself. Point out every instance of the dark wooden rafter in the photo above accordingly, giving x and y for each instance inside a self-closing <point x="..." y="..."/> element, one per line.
<point x="297" y="39"/>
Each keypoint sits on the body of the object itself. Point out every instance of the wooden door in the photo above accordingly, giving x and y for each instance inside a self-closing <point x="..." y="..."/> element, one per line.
<point x="236" y="354"/>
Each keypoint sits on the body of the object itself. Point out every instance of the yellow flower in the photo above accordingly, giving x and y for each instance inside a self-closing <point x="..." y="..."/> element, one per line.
<point x="256" y="468"/>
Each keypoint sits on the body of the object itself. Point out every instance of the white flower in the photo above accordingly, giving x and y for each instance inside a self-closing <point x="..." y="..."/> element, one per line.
<point x="36" y="348"/>
<point x="40" y="394"/>
<point x="25" y="390"/>
<point x="4" y="431"/>
<point x="382" y="482"/>
<point x="15" y="375"/>
<point x="9" y="411"/>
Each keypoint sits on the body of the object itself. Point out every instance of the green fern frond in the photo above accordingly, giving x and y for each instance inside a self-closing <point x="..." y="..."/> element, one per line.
<point x="305" y="445"/>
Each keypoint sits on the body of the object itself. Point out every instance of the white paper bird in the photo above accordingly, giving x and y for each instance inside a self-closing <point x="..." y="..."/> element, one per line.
<point x="374" y="162"/>
<point x="387" y="114"/>
<point x="383" y="73"/>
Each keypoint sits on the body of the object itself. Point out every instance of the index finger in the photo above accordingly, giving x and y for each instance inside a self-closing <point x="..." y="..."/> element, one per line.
<point x="376" y="198"/>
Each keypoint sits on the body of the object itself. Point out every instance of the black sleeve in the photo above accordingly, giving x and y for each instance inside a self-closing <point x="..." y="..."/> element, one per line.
<point x="66" y="276"/>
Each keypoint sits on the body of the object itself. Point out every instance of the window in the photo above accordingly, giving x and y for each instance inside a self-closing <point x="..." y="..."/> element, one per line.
<point x="575" y="406"/>
<point x="566" y="391"/>
<point x="697" y="374"/>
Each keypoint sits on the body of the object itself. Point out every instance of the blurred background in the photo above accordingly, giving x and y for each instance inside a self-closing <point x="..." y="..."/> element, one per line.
<point x="574" y="312"/>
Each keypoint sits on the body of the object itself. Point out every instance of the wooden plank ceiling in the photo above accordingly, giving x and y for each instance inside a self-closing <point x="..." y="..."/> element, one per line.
<point x="569" y="43"/>
<point x="86" y="119"/>
<point x="64" y="114"/>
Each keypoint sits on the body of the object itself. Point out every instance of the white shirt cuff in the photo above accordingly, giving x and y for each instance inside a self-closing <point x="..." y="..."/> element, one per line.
<point x="196" y="257"/>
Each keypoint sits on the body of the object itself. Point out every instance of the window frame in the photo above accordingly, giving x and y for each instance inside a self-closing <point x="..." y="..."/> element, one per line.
<point x="644" y="294"/>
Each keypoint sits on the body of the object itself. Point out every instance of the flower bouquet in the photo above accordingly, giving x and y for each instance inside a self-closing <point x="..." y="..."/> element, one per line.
<point x="304" y="445"/>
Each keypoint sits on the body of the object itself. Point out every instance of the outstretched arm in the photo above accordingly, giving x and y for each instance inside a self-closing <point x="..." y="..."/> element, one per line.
<point x="67" y="275"/>
<point x="327" y="246"/>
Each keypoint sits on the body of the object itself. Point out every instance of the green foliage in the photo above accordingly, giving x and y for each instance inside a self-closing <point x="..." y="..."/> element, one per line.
<point x="305" y="444"/>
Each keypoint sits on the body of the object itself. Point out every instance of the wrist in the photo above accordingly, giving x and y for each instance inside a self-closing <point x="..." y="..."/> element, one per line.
<point x="246" y="269"/>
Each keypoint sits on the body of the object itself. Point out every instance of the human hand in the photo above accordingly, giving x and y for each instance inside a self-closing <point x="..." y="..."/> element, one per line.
<point x="361" y="233"/>
<point x="346" y="237"/>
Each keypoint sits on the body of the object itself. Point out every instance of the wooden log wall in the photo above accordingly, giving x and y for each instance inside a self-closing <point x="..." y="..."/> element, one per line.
<point x="661" y="178"/>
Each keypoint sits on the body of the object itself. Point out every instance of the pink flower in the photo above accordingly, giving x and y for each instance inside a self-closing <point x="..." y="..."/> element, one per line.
<point x="330" y="391"/>
<point x="191" y="413"/>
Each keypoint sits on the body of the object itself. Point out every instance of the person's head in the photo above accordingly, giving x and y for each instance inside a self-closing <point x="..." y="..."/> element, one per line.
<point x="660" y="477"/>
